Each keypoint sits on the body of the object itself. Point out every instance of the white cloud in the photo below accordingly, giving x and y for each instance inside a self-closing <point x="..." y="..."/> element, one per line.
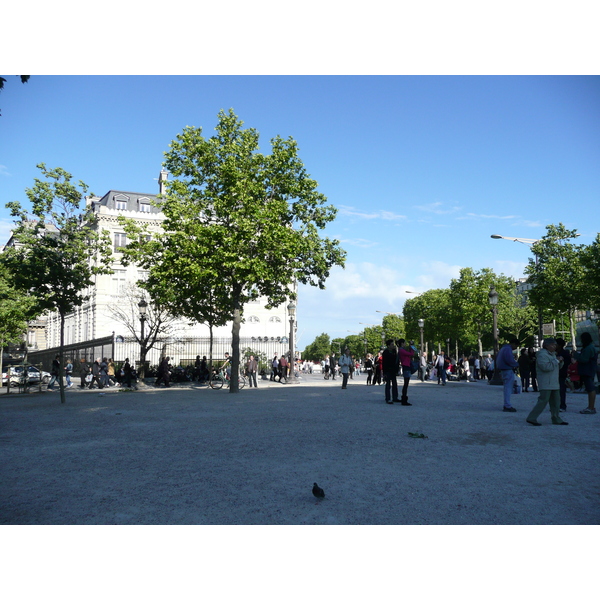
<point x="531" y="224"/>
<point x="358" y="242"/>
<point x="437" y="274"/>
<point x="385" y="215"/>
<point x="437" y="208"/>
<point x="510" y="268"/>
<point x="4" y="171"/>
<point x="354" y="295"/>
<point x="474" y="216"/>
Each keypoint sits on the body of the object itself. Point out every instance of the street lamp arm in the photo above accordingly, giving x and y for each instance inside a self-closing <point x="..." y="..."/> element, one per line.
<point x="513" y="239"/>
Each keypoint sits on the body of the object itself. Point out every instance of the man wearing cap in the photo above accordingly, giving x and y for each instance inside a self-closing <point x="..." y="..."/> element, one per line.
<point x="548" y="367"/>
<point x="506" y="363"/>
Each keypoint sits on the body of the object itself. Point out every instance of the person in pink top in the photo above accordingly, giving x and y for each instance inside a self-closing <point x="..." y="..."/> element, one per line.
<point x="405" y="356"/>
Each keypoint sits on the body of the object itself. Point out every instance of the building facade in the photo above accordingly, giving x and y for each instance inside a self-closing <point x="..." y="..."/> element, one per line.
<point x="93" y="319"/>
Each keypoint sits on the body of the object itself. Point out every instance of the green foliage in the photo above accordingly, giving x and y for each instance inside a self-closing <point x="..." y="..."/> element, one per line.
<point x="317" y="350"/>
<point x="16" y="308"/>
<point x="56" y="250"/>
<point x="435" y="308"/>
<point x="590" y="261"/>
<point x="375" y="337"/>
<point x="558" y="275"/>
<point x="356" y="345"/>
<point x="238" y="225"/>
<point x="393" y="326"/>
<point x="558" y="278"/>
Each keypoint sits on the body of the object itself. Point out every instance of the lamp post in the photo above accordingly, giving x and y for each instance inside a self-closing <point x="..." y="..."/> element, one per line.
<point x="493" y="298"/>
<point x="143" y="307"/>
<point x="292" y="313"/>
<point x="528" y="242"/>
<point x="421" y="324"/>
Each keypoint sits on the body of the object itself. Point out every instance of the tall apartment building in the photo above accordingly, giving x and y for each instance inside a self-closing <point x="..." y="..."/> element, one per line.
<point x="94" y="320"/>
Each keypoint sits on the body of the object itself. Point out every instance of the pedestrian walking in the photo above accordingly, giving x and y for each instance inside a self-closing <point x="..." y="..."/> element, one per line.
<point x="405" y="358"/>
<point x="587" y="361"/>
<point x="251" y="368"/>
<point x="389" y="363"/>
<point x="69" y="372"/>
<point x="440" y="367"/>
<point x="96" y="375"/>
<point x="164" y="373"/>
<point x="54" y="372"/>
<point x="548" y="367"/>
<point x="505" y="361"/>
<point x="345" y="363"/>
<point x="378" y="368"/>
<point x="332" y="365"/>
<point x="127" y="373"/>
<point x="369" y="368"/>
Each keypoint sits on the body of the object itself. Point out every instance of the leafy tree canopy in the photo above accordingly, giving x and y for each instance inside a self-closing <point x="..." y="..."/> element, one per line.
<point x="237" y="222"/>
<point x="55" y="250"/>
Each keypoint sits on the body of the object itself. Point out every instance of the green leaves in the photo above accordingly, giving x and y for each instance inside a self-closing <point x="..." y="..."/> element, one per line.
<point x="238" y="225"/>
<point x="56" y="249"/>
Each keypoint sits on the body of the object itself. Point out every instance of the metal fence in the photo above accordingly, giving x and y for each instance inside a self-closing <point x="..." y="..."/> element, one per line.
<point x="182" y="351"/>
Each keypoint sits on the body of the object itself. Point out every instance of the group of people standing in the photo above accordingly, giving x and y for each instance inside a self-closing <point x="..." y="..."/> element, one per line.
<point x="553" y="361"/>
<point x="398" y="357"/>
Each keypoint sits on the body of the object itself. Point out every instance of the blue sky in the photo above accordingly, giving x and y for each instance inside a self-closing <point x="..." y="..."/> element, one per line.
<point x="423" y="169"/>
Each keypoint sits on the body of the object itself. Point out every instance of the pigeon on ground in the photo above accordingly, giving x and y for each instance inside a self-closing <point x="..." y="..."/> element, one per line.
<point x="318" y="492"/>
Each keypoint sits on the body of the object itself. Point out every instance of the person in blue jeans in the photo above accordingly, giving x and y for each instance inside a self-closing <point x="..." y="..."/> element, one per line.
<point x="506" y="363"/>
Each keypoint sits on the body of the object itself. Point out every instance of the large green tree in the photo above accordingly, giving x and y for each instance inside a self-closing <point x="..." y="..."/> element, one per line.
<point x="590" y="260"/>
<point x="318" y="349"/>
<point x="243" y="223"/>
<point x="56" y="250"/>
<point x="435" y="308"/>
<point x="16" y="308"/>
<point x="557" y="274"/>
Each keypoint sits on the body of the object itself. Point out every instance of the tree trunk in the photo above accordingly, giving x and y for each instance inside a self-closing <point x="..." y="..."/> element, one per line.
<point x="234" y="384"/>
<point x="210" y="352"/>
<point x="61" y="383"/>
<point x="573" y="333"/>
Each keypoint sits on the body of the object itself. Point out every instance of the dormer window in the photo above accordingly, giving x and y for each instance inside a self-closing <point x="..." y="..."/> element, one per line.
<point x="144" y="205"/>
<point x="121" y="202"/>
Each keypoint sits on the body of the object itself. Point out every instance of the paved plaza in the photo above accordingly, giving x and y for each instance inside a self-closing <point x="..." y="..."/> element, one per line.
<point x="192" y="455"/>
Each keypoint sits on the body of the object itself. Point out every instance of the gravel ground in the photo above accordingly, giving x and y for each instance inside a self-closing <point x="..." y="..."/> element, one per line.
<point x="192" y="455"/>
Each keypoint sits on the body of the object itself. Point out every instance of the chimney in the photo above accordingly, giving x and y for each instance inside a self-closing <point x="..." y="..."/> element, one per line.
<point x="162" y="180"/>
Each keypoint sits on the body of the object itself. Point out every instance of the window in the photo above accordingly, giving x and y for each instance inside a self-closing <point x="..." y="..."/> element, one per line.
<point x="144" y="205"/>
<point x="118" y="281"/>
<point x="120" y="241"/>
<point x="253" y="319"/>
<point x="121" y="202"/>
<point x="274" y="320"/>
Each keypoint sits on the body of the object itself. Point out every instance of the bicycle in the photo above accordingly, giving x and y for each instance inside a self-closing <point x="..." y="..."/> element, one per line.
<point x="220" y="378"/>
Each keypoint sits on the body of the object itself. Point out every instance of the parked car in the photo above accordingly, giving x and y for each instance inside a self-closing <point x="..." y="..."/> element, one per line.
<point x="16" y="372"/>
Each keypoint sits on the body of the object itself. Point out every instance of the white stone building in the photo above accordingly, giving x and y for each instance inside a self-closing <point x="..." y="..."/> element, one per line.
<point x="93" y="319"/>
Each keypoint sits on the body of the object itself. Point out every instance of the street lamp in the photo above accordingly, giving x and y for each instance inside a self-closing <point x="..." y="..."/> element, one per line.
<point x="528" y="242"/>
<point x="143" y="307"/>
<point x="421" y="324"/>
<point x="493" y="298"/>
<point x="292" y="313"/>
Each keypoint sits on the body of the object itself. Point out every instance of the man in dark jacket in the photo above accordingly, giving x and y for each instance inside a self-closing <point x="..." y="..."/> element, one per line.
<point x="163" y="372"/>
<point x="96" y="370"/>
<point x="390" y="370"/>
<point x="332" y="365"/>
